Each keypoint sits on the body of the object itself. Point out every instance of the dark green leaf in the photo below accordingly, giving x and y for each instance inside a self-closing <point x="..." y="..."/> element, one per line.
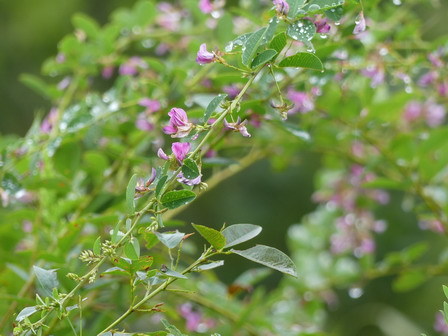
<point x="302" y="30"/>
<point x="278" y="42"/>
<point x="270" y="257"/>
<point x="46" y="279"/>
<point x="251" y="46"/>
<point x="176" y="198"/>
<point x="116" y="271"/>
<point x="303" y="60"/>
<point x="263" y="57"/>
<point x="215" y="102"/>
<point x="130" y="193"/>
<point x="190" y="169"/>
<point x="160" y="184"/>
<point x="214" y="237"/>
<point x="239" y="233"/>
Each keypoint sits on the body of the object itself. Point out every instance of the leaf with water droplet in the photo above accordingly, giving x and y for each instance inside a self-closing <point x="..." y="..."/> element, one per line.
<point x="317" y="6"/>
<point x="335" y="14"/>
<point x="251" y="46"/>
<point x="302" y="60"/>
<point x="294" y="6"/>
<point x="302" y="30"/>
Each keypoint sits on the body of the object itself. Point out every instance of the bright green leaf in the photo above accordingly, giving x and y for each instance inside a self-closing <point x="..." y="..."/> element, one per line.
<point x="130" y="252"/>
<point x="302" y="30"/>
<point x="190" y="169"/>
<point x="97" y="246"/>
<point x="213" y="105"/>
<point x="294" y="6"/>
<point x="176" y="198"/>
<point x="251" y="46"/>
<point x="278" y="42"/>
<point x="303" y="60"/>
<point x="214" y="237"/>
<point x="263" y="57"/>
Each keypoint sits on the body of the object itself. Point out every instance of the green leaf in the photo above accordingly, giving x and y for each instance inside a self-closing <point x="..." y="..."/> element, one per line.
<point x="160" y="184"/>
<point x="294" y="6"/>
<point x="46" y="279"/>
<point x="176" y="198"/>
<point x="335" y="14"/>
<point x="172" y="329"/>
<point x="130" y="251"/>
<point x="68" y="158"/>
<point x="296" y="131"/>
<point x="302" y="30"/>
<point x="209" y="266"/>
<point x="445" y="291"/>
<point x="239" y="233"/>
<point x="25" y="312"/>
<point x="215" y="102"/>
<point x="170" y="239"/>
<point x="263" y="58"/>
<point x="190" y="169"/>
<point x="214" y="237"/>
<point x="174" y="274"/>
<point x="39" y="86"/>
<point x="130" y="193"/>
<point x="85" y="23"/>
<point x="409" y="280"/>
<point x="116" y="271"/>
<point x="445" y="311"/>
<point x="251" y="46"/>
<point x="97" y="246"/>
<point x="115" y="237"/>
<point x="316" y="6"/>
<point x="303" y="60"/>
<point x="270" y="31"/>
<point x="278" y="42"/>
<point x="239" y="41"/>
<point x="270" y="257"/>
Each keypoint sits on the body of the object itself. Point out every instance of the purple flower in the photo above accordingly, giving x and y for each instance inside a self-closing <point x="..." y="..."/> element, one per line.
<point x="322" y="26"/>
<point x="161" y="154"/>
<point x="375" y="73"/>
<point x="360" y="24"/>
<point x="107" y="72"/>
<point x="142" y="122"/>
<point x="205" y="6"/>
<point x="281" y="6"/>
<point x="412" y="111"/>
<point x="238" y="126"/>
<point x="434" y="114"/>
<point x="303" y="102"/>
<point x="231" y="90"/>
<point x="169" y="17"/>
<point x="443" y="89"/>
<point x="428" y="78"/>
<point x="182" y="179"/>
<point x="180" y="150"/>
<point x="440" y="324"/>
<point x="64" y="83"/>
<point x="435" y="59"/>
<point x="48" y="122"/>
<point x="150" y="104"/>
<point x="131" y="66"/>
<point x="204" y="56"/>
<point x="179" y="125"/>
<point x="194" y="319"/>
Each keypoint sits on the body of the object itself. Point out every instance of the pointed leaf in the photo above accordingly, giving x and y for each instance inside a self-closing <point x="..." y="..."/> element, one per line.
<point x="176" y="198"/>
<point x="174" y="274"/>
<point x="251" y="46"/>
<point x="25" y="312"/>
<point x="239" y="233"/>
<point x="116" y="271"/>
<point x="209" y="266"/>
<point x="445" y="290"/>
<point x="294" y="6"/>
<point x="263" y="58"/>
<point x="129" y="251"/>
<point x="170" y="239"/>
<point x="160" y="184"/>
<point x="302" y="30"/>
<point x="190" y="169"/>
<point x="270" y="31"/>
<point x="47" y="280"/>
<point x="97" y="246"/>
<point x="214" y="237"/>
<point x="270" y="257"/>
<point x="130" y="193"/>
<point x="303" y="60"/>
<point x="278" y="42"/>
<point x="213" y="105"/>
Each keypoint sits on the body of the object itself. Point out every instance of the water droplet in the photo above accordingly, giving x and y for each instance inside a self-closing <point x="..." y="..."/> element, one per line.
<point x="323" y="36"/>
<point x="397" y="2"/>
<point x="216" y="14"/>
<point x="355" y="292"/>
<point x="314" y="7"/>
<point x="337" y="23"/>
<point x="384" y="51"/>
<point x="408" y="89"/>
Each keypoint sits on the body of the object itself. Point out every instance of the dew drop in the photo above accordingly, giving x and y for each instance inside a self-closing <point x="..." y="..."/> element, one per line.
<point x="397" y="2"/>
<point x="323" y="36"/>
<point x="337" y="23"/>
<point x="355" y="292"/>
<point x="314" y="7"/>
<point x="408" y="89"/>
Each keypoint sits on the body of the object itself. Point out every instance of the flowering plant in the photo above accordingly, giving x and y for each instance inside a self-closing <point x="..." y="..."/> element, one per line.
<point x="90" y="193"/>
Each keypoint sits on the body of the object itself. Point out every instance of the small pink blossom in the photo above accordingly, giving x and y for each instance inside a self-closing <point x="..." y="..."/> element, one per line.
<point x="180" y="150"/>
<point x="161" y="154"/>
<point x="107" y="72"/>
<point x="303" y="102"/>
<point x="434" y="114"/>
<point x="428" y="78"/>
<point x="205" y="6"/>
<point x="442" y="88"/>
<point x="238" y="126"/>
<point x="360" y="24"/>
<point x="48" y="123"/>
<point x="150" y="104"/>
<point x="281" y="6"/>
<point x="204" y="56"/>
<point x="131" y="66"/>
<point x="440" y="324"/>
<point x="142" y="122"/>
<point x="413" y="111"/>
<point x="375" y="73"/>
<point x="232" y="90"/>
<point x="179" y="125"/>
<point x="182" y="179"/>
<point x="322" y="26"/>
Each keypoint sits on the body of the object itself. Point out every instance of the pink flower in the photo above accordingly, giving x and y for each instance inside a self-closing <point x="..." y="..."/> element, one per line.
<point x="179" y="125"/>
<point x="434" y="114"/>
<point x="360" y="24"/>
<point x="428" y="78"/>
<point x="195" y="321"/>
<point x="375" y="73"/>
<point x="180" y="150"/>
<point x="443" y="89"/>
<point x="231" y="90"/>
<point x="107" y="72"/>
<point x="204" y="56"/>
<point x="303" y="102"/>
<point x="182" y="179"/>
<point x="142" y="122"/>
<point x="131" y="66"/>
<point x="322" y="26"/>
<point x="205" y="6"/>
<point x="48" y="123"/>
<point x="281" y="6"/>
<point x="238" y="126"/>
<point x="161" y="154"/>
<point x="440" y="324"/>
<point x="150" y="104"/>
<point x="412" y="111"/>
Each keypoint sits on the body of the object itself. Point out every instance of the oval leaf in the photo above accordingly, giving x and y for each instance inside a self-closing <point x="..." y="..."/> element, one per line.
<point x="263" y="57"/>
<point x="214" y="237"/>
<point x="278" y="42"/>
<point x="170" y="239"/>
<point x="302" y="30"/>
<point x="130" y="252"/>
<point x="239" y="233"/>
<point x="25" y="312"/>
<point x="270" y="257"/>
<point x="209" y="266"/>
<point x="130" y="193"/>
<point x="47" y="280"/>
<point x="303" y="60"/>
<point x="213" y="105"/>
<point x="176" y="198"/>
<point x="294" y="6"/>
<point x="190" y="169"/>
<point x="251" y="45"/>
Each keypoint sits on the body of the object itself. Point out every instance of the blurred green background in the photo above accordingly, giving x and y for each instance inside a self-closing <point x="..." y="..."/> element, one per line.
<point x="30" y="32"/>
